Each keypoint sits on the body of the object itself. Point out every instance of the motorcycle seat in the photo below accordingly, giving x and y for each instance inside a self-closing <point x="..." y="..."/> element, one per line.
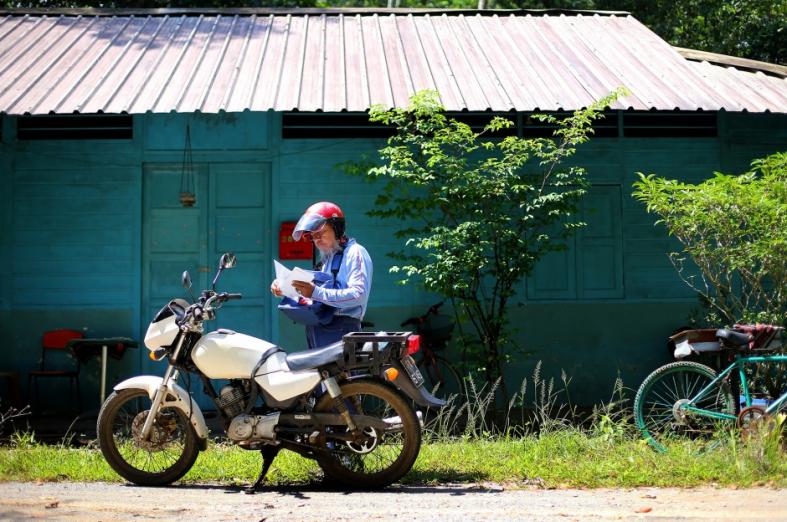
<point x="310" y="359"/>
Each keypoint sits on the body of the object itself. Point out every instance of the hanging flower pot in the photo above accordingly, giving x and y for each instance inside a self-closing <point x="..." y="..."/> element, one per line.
<point x="188" y="197"/>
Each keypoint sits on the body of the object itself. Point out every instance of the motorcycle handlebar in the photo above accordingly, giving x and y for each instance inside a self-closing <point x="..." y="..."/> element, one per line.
<point x="226" y="296"/>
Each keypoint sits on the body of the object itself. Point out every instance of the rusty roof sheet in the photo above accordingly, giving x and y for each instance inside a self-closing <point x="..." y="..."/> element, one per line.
<point x="345" y="62"/>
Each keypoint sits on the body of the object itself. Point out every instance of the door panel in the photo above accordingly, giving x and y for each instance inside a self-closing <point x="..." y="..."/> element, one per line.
<point x="592" y="265"/>
<point x="600" y="252"/>
<point x="240" y="231"/>
<point x="240" y="219"/>
<point x="173" y="238"/>
<point x="554" y="276"/>
<point x="175" y="230"/>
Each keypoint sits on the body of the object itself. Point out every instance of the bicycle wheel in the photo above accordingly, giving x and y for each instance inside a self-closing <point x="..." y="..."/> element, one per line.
<point x="168" y="454"/>
<point x="440" y="378"/>
<point x="657" y="406"/>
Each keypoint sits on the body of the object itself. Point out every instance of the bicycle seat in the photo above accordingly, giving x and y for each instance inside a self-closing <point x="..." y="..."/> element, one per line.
<point x="733" y="338"/>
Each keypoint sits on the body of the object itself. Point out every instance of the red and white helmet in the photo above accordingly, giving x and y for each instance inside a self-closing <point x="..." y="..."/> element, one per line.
<point x="318" y="215"/>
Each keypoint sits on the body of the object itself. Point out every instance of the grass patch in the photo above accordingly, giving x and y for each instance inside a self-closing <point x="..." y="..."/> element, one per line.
<point x="566" y="458"/>
<point x="461" y="445"/>
<point x="572" y="458"/>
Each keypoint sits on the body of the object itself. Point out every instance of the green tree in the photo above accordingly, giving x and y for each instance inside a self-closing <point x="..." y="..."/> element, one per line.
<point x="755" y="29"/>
<point x="733" y="229"/>
<point x="479" y="211"/>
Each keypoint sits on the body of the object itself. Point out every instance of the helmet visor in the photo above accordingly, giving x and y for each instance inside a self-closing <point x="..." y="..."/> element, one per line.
<point x="307" y="223"/>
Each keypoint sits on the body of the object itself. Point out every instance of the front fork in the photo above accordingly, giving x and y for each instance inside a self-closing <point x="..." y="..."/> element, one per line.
<point x="171" y="375"/>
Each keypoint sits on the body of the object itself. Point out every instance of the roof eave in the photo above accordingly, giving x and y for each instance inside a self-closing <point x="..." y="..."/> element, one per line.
<point x="195" y="11"/>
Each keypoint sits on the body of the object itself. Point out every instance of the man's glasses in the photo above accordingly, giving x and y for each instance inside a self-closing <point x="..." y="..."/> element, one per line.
<point x="316" y="235"/>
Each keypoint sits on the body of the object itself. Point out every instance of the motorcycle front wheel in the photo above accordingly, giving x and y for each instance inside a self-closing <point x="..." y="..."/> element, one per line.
<point x="167" y="454"/>
<point x="381" y="458"/>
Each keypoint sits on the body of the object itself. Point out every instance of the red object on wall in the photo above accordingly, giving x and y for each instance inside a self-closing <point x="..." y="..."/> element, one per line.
<point x="291" y="249"/>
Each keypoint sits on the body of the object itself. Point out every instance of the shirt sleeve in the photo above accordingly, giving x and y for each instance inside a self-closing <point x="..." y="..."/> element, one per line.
<point x="358" y="270"/>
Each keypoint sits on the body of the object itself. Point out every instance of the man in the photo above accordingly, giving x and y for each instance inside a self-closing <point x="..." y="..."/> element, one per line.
<point x="349" y="266"/>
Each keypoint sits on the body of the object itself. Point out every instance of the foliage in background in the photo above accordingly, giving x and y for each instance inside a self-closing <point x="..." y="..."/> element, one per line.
<point x="755" y="29"/>
<point x="734" y="230"/>
<point x="479" y="212"/>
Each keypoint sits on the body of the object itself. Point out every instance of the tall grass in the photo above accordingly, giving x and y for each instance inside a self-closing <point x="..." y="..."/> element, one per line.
<point x="538" y="406"/>
<point x="541" y="409"/>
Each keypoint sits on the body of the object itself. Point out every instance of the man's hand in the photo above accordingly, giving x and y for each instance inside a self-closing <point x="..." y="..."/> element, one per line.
<point x="304" y="288"/>
<point x="275" y="290"/>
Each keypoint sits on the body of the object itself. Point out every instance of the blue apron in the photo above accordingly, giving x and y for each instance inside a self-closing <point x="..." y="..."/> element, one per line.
<point x="321" y="335"/>
<point x="315" y="313"/>
<point x="323" y="326"/>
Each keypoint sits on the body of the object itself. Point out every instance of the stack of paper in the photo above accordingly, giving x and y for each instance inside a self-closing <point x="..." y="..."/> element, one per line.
<point x="285" y="277"/>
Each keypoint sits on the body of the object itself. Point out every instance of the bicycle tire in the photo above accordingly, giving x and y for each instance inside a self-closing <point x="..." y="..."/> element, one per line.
<point x="441" y="379"/>
<point x="656" y="411"/>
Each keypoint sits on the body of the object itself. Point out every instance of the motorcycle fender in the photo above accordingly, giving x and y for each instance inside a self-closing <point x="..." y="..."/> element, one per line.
<point x="419" y="394"/>
<point x="176" y="398"/>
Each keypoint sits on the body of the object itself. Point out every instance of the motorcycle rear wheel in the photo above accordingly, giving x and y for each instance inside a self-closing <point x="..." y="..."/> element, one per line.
<point x="386" y="457"/>
<point x="170" y="453"/>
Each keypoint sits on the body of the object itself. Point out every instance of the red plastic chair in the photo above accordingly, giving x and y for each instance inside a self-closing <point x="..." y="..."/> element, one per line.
<point x="56" y="340"/>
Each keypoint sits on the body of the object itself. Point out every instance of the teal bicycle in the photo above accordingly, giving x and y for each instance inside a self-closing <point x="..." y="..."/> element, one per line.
<point x="687" y="399"/>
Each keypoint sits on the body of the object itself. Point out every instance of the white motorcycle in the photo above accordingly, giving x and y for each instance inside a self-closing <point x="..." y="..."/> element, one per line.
<point x="348" y="405"/>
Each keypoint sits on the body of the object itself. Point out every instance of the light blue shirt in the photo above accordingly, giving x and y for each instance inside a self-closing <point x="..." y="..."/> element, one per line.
<point x="353" y="282"/>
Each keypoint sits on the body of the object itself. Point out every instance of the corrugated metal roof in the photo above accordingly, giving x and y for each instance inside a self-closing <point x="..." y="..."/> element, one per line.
<point x="343" y="62"/>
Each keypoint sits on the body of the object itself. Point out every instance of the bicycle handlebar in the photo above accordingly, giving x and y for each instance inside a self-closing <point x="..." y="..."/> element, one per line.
<point x="420" y="319"/>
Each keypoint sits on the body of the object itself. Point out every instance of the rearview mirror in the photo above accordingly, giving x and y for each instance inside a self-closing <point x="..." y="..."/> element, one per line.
<point x="227" y="260"/>
<point x="186" y="278"/>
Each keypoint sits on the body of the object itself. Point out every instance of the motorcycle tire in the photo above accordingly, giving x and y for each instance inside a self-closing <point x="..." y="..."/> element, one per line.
<point x="363" y="467"/>
<point x="131" y="460"/>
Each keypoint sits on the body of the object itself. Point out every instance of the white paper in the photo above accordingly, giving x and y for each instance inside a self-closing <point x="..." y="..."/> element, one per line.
<point x="285" y="277"/>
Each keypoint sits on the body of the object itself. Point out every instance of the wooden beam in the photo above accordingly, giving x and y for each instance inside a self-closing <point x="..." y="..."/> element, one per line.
<point x="733" y="61"/>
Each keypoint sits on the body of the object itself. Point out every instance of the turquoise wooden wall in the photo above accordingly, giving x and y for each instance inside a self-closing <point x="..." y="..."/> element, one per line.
<point x="93" y="238"/>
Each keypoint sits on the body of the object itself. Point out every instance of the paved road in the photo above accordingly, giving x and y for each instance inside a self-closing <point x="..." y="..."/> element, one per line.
<point x="100" y="501"/>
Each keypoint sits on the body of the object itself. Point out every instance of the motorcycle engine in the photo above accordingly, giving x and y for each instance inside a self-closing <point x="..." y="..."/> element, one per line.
<point x="232" y="398"/>
<point x="253" y="427"/>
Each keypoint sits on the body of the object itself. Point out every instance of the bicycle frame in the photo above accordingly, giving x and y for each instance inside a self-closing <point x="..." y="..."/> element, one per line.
<point x="740" y="363"/>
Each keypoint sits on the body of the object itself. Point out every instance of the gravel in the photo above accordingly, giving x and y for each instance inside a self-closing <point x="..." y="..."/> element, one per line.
<point x="493" y="502"/>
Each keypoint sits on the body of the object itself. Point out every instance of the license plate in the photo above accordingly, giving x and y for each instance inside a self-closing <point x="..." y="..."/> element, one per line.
<point x="412" y="370"/>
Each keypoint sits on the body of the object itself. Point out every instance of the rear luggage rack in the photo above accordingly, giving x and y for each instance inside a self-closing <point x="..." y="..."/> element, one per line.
<point x="372" y="349"/>
<point x="706" y="340"/>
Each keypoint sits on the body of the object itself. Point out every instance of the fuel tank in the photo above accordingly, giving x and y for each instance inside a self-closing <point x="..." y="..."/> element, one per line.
<point x="225" y="354"/>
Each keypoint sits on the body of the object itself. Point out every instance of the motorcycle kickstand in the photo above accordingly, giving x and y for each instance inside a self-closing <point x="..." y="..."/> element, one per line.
<point x="268" y="455"/>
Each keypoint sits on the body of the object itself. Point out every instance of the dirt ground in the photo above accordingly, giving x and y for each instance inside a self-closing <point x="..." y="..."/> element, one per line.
<point x="100" y="501"/>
